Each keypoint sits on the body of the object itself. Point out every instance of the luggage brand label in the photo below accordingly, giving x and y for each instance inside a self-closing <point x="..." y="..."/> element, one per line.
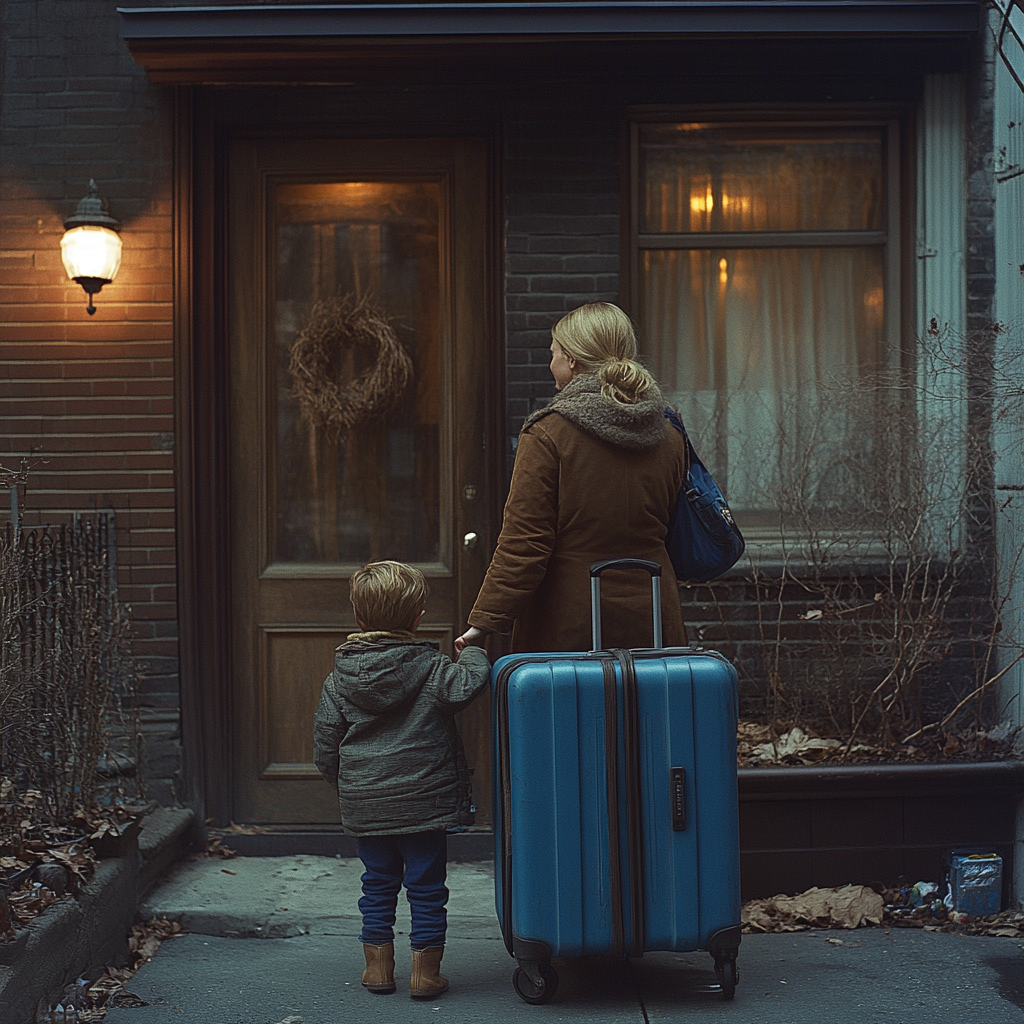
<point x="677" y="790"/>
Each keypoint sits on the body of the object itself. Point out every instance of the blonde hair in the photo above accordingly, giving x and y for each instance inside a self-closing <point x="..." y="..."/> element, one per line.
<point x="387" y="595"/>
<point x="600" y="337"/>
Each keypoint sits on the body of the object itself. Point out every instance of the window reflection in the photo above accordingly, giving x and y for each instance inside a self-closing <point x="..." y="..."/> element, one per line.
<point x="699" y="178"/>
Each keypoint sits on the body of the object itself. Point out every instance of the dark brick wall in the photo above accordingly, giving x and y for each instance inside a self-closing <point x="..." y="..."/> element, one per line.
<point x="92" y="396"/>
<point x="562" y="204"/>
<point x="981" y="290"/>
<point x="753" y="624"/>
<point x="981" y="199"/>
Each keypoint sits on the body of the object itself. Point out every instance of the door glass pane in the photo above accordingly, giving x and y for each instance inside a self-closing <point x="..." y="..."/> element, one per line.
<point x="704" y="178"/>
<point x="371" y="491"/>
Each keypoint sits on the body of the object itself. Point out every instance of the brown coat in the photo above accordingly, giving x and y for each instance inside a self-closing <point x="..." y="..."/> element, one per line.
<point x="577" y="497"/>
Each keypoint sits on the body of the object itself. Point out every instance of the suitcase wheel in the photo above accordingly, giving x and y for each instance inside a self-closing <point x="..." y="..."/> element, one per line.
<point x="528" y="990"/>
<point x="725" y="969"/>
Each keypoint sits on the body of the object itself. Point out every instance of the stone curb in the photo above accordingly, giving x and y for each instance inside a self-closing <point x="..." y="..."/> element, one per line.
<point x="92" y="929"/>
<point x="164" y="838"/>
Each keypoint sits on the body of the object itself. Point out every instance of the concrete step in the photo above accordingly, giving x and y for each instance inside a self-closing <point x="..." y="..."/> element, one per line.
<point x="89" y="930"/>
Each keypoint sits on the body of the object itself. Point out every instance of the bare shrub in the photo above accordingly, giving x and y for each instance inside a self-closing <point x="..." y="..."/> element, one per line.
<point x="67" y="682"/>
<point x="15" y="673"/>
<point x="879" y="605"/>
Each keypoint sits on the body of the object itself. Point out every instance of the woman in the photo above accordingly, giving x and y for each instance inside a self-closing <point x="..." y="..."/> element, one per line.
<point x="596" y="476"/>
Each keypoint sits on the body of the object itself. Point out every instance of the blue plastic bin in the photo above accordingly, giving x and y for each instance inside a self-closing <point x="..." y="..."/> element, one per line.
<point x="977" y="882"/>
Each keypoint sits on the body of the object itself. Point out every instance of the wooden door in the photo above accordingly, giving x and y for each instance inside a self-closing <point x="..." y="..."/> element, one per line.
<point x="322" y="481"/>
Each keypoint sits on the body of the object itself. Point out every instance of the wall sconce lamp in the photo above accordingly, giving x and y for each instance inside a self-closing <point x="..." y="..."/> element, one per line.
<point x="91" y="246"/>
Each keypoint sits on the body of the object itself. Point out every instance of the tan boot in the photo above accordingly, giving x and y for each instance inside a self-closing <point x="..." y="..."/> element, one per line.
<point x="379" y="975"/>
<point x="426" y="981"/>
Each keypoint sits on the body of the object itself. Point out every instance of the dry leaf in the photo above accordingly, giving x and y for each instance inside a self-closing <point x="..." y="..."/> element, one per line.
<point x="848" y="906"/>
<point x="145" y="939"/>
<point x="215" y="848"/>
<point x="103" y="988"/>
<point x="797" y="746"/>
<point x="126" y="998"/>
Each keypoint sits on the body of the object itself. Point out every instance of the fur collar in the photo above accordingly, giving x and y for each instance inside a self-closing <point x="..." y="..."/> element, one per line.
<point x="636" y="427"/>
<point x="382" y="636"/>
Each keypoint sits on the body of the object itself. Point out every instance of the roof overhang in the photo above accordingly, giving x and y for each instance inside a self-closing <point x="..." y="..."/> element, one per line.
<point x="184" y="43"/>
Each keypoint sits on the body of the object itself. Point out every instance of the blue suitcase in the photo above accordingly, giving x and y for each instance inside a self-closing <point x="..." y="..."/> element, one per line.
<point x="644" y="739"/>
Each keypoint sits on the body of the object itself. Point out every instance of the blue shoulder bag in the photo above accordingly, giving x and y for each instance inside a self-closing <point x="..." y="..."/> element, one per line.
<point x="703" y="539"/>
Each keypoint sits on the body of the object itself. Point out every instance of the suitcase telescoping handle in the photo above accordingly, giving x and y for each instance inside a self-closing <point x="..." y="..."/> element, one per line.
<point x="595" y="592"/>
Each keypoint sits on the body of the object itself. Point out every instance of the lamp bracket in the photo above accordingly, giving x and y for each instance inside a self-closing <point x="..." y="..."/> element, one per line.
<point x="91" y="285"/>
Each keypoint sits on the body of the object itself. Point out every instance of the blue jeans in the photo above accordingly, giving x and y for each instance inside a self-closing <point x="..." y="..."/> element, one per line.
<point x="417" y="859"/>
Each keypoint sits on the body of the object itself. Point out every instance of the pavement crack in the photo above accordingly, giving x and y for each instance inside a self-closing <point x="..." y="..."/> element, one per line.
<point x="636" y="991"/>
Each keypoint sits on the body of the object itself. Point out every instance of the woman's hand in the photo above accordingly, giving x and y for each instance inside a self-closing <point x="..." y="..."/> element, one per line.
<point x="471" y="636"/>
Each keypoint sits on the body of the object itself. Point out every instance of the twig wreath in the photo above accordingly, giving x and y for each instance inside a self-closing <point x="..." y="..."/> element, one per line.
<point x="323" y="348"/>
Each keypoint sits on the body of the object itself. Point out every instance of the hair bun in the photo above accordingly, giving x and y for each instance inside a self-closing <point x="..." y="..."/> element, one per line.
<point x="623" y="380"/>
<point x="601" y="338"/>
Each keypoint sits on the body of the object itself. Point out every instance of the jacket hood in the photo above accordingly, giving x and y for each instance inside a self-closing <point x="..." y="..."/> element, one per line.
<point x="378" y="675"/>
<point x="636" y="427"/>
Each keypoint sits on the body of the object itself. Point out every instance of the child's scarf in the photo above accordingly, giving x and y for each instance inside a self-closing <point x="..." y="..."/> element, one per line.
<point x="376" y="636"/>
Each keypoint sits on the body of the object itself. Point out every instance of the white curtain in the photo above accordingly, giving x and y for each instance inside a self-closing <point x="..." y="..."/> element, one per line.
<point x="754" y="344"/>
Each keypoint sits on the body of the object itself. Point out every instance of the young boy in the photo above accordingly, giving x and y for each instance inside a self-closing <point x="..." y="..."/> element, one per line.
<point x="386" y="738"/>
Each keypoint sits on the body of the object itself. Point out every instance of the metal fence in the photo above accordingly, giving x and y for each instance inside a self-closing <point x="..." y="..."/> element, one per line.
<point x="66" y="671"/>
<point x="69" y="581"/>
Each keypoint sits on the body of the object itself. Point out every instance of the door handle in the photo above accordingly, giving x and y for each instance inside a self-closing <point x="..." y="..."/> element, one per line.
<point x="469" y="541"/>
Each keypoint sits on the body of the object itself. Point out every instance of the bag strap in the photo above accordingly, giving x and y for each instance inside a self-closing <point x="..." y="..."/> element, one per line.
<point x="611" y="764"/>
<point x="634" y="797"/>
<point x="675" y="419"/>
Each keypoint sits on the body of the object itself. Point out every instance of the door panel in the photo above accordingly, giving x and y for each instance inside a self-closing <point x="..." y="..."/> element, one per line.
<point x="319" y="483"/>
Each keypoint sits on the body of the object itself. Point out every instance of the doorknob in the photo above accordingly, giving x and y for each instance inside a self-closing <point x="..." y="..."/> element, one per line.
<point x="469" y="541"/>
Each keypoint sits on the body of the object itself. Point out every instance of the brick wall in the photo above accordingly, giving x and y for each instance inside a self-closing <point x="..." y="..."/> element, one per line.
<point x="981" y="199"/>
<point x="980" y="261"/>
<point x="824" y="661"/>
<point x="562" y="207"/>
<point x="91" y="397"/>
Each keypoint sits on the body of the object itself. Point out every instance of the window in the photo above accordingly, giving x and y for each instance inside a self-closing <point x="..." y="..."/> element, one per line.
<point x="765" y="281"/>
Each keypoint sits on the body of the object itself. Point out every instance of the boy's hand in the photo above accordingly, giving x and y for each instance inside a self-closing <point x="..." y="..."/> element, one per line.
<point x="471" y="636"/>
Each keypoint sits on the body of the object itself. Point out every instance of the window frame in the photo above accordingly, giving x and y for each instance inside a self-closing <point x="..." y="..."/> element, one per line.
<point x="899" y="167"/>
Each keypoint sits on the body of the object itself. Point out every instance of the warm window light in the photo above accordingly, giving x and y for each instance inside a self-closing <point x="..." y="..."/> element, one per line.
<point x="703" y="203"/>
<point x="91" y="246"/>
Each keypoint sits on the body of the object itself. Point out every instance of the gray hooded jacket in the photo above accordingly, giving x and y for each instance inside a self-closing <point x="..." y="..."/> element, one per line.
<point x="385" y="734"/>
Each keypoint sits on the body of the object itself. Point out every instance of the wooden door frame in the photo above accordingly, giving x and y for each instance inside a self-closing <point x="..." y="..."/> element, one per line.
<point x="201" y="402"/>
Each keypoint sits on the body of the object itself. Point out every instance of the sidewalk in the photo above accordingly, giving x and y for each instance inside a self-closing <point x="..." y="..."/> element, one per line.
<point x="273" y="940"/>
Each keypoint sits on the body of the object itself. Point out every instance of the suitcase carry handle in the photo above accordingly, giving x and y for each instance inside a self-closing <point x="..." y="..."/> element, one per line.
<point x="595" y="593"/>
